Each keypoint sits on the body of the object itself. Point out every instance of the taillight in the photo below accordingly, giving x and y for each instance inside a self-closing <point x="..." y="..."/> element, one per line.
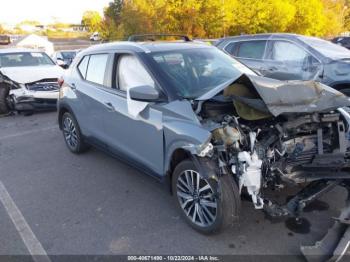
<point x="60" y="82"/>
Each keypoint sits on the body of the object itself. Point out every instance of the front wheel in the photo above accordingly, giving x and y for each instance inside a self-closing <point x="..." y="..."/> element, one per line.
<point x="4" y="93"/>
<point x="209" y="206"/>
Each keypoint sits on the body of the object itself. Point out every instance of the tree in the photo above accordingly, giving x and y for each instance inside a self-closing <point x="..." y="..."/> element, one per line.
<point x="334" y="12"/>
<point x="251" y="16"/>
<point x="110" y="25"/>
<point x="2" y="30"/>
<point x="92" y="20"/>
<point x="346" y="15"/>
<point x="114" y="10"/>
<point x="217" y="18"/>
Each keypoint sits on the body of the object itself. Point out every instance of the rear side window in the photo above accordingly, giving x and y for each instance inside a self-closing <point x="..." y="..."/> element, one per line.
<point x="252" y="49"/>
<point x="230" y="48"/>
<point x="97" y="68"/>
<point x="83" y="66"/>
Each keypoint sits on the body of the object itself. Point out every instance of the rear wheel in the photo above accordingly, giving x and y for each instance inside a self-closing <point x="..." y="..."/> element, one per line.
<point x="72" y="135"/>
<point x="206" y="204"/>
<point x="4" y="93"/>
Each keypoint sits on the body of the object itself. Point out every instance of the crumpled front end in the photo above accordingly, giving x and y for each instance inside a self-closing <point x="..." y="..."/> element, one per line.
<point x="269" y="135"/>
<point x="38" y="95"/>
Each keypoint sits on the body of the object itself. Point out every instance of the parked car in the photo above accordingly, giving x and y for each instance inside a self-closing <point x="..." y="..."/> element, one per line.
<point x="194" y="117"/>
<point x="64" y="58"/>
<point x="343" y="41"/>
<point x="292" y="57"/>
<point x="95" y="37"/>
<point x="28" y="80"/>
<point x="5" y="40"/>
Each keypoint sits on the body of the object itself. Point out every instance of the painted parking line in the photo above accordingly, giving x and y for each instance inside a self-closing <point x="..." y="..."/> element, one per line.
<point x="24" y="133"/>
<point x="29" y="239"/>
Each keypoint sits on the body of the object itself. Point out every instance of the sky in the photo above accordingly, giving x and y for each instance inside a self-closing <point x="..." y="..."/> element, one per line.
<point x="47" y="11"/>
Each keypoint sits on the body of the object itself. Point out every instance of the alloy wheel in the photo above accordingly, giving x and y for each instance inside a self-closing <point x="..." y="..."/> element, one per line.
<point x="70" y="133"/>
<point x="197" y="198"/>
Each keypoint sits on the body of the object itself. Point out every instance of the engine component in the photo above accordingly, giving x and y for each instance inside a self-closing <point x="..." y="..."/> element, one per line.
<point x="251" y="176"/>
<point x="227" y="135"/>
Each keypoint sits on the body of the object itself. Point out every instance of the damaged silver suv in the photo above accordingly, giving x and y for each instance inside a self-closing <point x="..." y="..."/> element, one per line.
<point x="192" y="116"/>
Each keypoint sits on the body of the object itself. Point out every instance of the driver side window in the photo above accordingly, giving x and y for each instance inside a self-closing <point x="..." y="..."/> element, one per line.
<point x="131" y="73"/>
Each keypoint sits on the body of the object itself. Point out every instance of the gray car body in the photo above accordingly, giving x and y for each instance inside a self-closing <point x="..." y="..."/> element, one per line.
<point x="167" y="126"/>
<point x="169" y="129"/>
<point x="333" y="70"/>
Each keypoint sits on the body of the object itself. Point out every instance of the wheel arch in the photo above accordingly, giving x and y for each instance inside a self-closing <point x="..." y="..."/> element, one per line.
<point x="62" y="109"/>
<point x="177" y="156"/>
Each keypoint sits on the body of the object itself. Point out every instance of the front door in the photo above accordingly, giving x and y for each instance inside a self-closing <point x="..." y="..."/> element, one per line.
<point x="134" y="129"/>
<point x="287" y="61"/>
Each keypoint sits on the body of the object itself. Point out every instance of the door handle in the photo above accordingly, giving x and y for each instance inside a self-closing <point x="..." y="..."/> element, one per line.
<point x="109" y="106"/>
<point x="73" y="86"/>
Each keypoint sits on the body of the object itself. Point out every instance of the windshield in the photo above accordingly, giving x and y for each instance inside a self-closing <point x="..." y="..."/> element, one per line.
<point x="194" y="72"/>
<point x="327" y="48"/>
<point x="24" y="59"/>
<point x="68" y="55"/>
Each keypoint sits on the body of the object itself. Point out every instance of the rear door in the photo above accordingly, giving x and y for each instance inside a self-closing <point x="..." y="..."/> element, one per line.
<point x="286" y="60"/>
<point x="249" y="52"/>
<point x="93" y="93"/>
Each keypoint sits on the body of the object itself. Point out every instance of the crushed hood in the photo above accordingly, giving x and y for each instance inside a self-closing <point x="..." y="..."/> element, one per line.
<point x="290" y="96"/>
<point x="30" y="74"/>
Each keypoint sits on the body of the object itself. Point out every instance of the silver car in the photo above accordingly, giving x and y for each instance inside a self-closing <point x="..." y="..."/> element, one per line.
<point x="195" y="118"/>
<point x="28" y="80"/>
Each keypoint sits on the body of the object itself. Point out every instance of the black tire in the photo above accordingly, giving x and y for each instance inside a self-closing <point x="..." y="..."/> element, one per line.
<point x="345" y="91"/>
<point x="227" y="200"/>
<point x="70" y="124"/>
<point x="4" y="92"/>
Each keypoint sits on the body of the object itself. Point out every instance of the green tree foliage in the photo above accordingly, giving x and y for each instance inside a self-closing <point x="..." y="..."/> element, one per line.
<point x="346" y="15"/>
<point x="254" y="16"/>
<point x="92" y="19"/>
<point x="111" y="26"/>
<point x="2" y="30"/>
<point x="217" y="18"/>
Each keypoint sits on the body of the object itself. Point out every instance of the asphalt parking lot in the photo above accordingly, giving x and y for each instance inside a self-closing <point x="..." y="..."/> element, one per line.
<point x="93" y="204"/>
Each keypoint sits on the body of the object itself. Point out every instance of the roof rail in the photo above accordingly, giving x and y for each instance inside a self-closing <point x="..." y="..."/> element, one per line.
<point x="151" y="37"/>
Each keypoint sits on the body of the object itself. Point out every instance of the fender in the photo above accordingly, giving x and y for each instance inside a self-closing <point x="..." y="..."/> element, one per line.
<point x="207" y="167"/>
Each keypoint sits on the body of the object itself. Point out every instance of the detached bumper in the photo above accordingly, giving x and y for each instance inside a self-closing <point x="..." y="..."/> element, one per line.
<point x="335" y="245"/>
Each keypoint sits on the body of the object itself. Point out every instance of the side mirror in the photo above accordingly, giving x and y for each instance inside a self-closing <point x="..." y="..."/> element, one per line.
<point x="60" y="62"/>
<point x="144" y="93"/>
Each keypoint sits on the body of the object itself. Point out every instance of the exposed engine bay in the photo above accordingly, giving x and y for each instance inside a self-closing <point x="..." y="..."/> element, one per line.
<point x="263" y="151"/>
